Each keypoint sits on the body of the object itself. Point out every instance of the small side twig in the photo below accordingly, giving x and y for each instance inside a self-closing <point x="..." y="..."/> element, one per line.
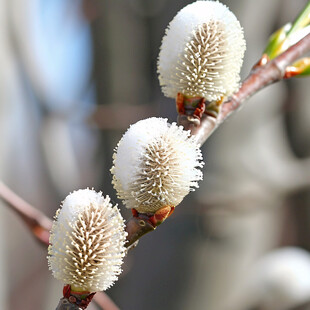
<point x="37" y="222"/>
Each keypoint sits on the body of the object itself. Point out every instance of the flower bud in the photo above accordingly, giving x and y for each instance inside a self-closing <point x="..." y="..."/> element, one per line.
<point x="202" y="52"/>
<point x="303" y="66"/>
<point x="87" y="242"/>
<point x="289" y="35"/>
<point x="156" y="164"/>
<point x="283" y="39"/>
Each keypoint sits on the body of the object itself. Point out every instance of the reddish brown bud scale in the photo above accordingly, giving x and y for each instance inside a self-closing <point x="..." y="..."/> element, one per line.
<point x="134" y="212"/>
<point x="291" y="72"/>
<point x="180" y="103"/>
<point x="200" y="108"/>
<point x="161" y="215"/>
<point x="154" y="219"/>
<point x="66" y="291"/>
<point x="190" y="106"/>
<point x="263" y="61"/>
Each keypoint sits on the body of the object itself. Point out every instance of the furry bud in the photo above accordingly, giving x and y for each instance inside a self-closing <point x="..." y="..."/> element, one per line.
<point x="87" y="242"/>
<point x="156" y="164"/>
<point x="202" y="52"/>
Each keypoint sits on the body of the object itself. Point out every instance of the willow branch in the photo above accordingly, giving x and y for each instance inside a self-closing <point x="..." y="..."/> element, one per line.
<point x="259" y="77"/>
<point x="36" y="221"/>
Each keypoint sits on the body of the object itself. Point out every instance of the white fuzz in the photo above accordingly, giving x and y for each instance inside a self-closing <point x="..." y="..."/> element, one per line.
<point x="202" y="52"/>
<point x="155" y="165"/>
<point x="87" y="242"/>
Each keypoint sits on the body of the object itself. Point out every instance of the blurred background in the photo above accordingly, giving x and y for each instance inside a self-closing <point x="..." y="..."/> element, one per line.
<point x="74" y="75"/>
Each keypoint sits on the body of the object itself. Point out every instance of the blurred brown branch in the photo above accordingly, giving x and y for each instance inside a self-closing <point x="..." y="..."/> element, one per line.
<point x="37" y="222"/>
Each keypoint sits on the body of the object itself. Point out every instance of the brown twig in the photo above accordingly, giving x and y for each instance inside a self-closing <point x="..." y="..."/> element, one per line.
<point x="37" y="222"/>
<point x="259" y="77"/>
<point x="136" y="228"/>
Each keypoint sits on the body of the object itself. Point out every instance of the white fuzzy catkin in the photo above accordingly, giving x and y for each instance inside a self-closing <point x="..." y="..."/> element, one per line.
<point x="87" y="242"/>
<point x="156" y="164"/>
<point x="202" y="52"/>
